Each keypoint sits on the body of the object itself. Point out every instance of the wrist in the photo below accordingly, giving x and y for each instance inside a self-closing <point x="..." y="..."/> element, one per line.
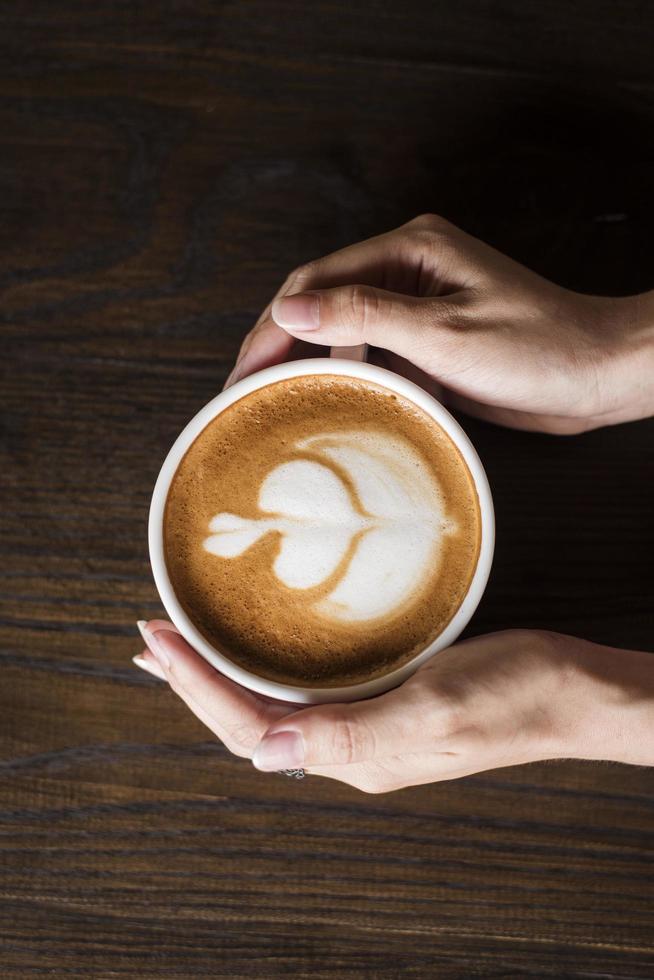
<point x="608" y="705"/>
<point x="628" y="358"/>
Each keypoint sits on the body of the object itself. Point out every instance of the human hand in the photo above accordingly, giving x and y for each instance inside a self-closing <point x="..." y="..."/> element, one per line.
<point x="497" y="700"/>
<point x="483" y="333"/>
<point x="238" y="717"/>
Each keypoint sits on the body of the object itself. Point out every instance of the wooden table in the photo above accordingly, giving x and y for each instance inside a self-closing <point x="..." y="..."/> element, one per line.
<point x="162" y="166"/>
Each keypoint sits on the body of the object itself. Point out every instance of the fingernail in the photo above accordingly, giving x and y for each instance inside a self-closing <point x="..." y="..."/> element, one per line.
<point x="299" y="312"/>
<point x="284" y="750"/>
<point x="151" y="668"/>
<point x="154" y="642"/>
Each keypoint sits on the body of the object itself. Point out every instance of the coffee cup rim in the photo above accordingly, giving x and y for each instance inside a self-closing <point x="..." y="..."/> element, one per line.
<point x="280" y="372"/>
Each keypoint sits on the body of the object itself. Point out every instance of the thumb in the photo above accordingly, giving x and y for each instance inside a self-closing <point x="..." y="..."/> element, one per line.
<point x="360" y="314"/>
<point x="344" y="734"/>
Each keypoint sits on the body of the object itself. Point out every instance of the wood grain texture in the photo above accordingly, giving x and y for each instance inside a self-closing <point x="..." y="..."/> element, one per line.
<point x="162" y="167"/>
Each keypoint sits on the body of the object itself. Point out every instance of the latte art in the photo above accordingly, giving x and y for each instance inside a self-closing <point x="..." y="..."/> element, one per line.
<point x="321" y="531"/>
<point x="384" y="531"/>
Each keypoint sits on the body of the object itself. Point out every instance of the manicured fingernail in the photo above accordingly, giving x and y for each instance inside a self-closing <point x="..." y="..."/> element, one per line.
<point x="155" y="642"/>
<point x="284" y="750"/>
<point x="151" y="668"/>
<point x="299" y="312"/>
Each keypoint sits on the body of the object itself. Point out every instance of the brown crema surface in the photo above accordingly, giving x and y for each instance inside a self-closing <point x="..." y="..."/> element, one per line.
<point x="239" y="604"/>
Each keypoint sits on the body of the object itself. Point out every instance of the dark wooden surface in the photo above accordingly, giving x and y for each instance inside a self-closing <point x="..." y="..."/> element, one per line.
<point x="162" y="166"/>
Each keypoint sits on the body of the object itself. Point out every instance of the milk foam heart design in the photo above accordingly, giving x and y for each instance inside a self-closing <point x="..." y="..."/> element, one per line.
<point x="385" y="529"/>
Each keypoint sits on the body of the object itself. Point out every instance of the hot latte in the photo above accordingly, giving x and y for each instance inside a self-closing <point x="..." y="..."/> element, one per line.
<point x="321" y="531"/>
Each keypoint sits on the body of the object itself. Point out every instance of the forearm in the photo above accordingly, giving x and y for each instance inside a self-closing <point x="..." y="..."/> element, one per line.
<point x="610" y="709"/>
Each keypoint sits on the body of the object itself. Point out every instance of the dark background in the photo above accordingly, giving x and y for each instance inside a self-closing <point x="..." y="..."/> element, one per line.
<point x="162" y="167"/>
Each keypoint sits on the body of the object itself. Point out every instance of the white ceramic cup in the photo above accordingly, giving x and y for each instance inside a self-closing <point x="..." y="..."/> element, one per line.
<point x="350" y="368"/>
